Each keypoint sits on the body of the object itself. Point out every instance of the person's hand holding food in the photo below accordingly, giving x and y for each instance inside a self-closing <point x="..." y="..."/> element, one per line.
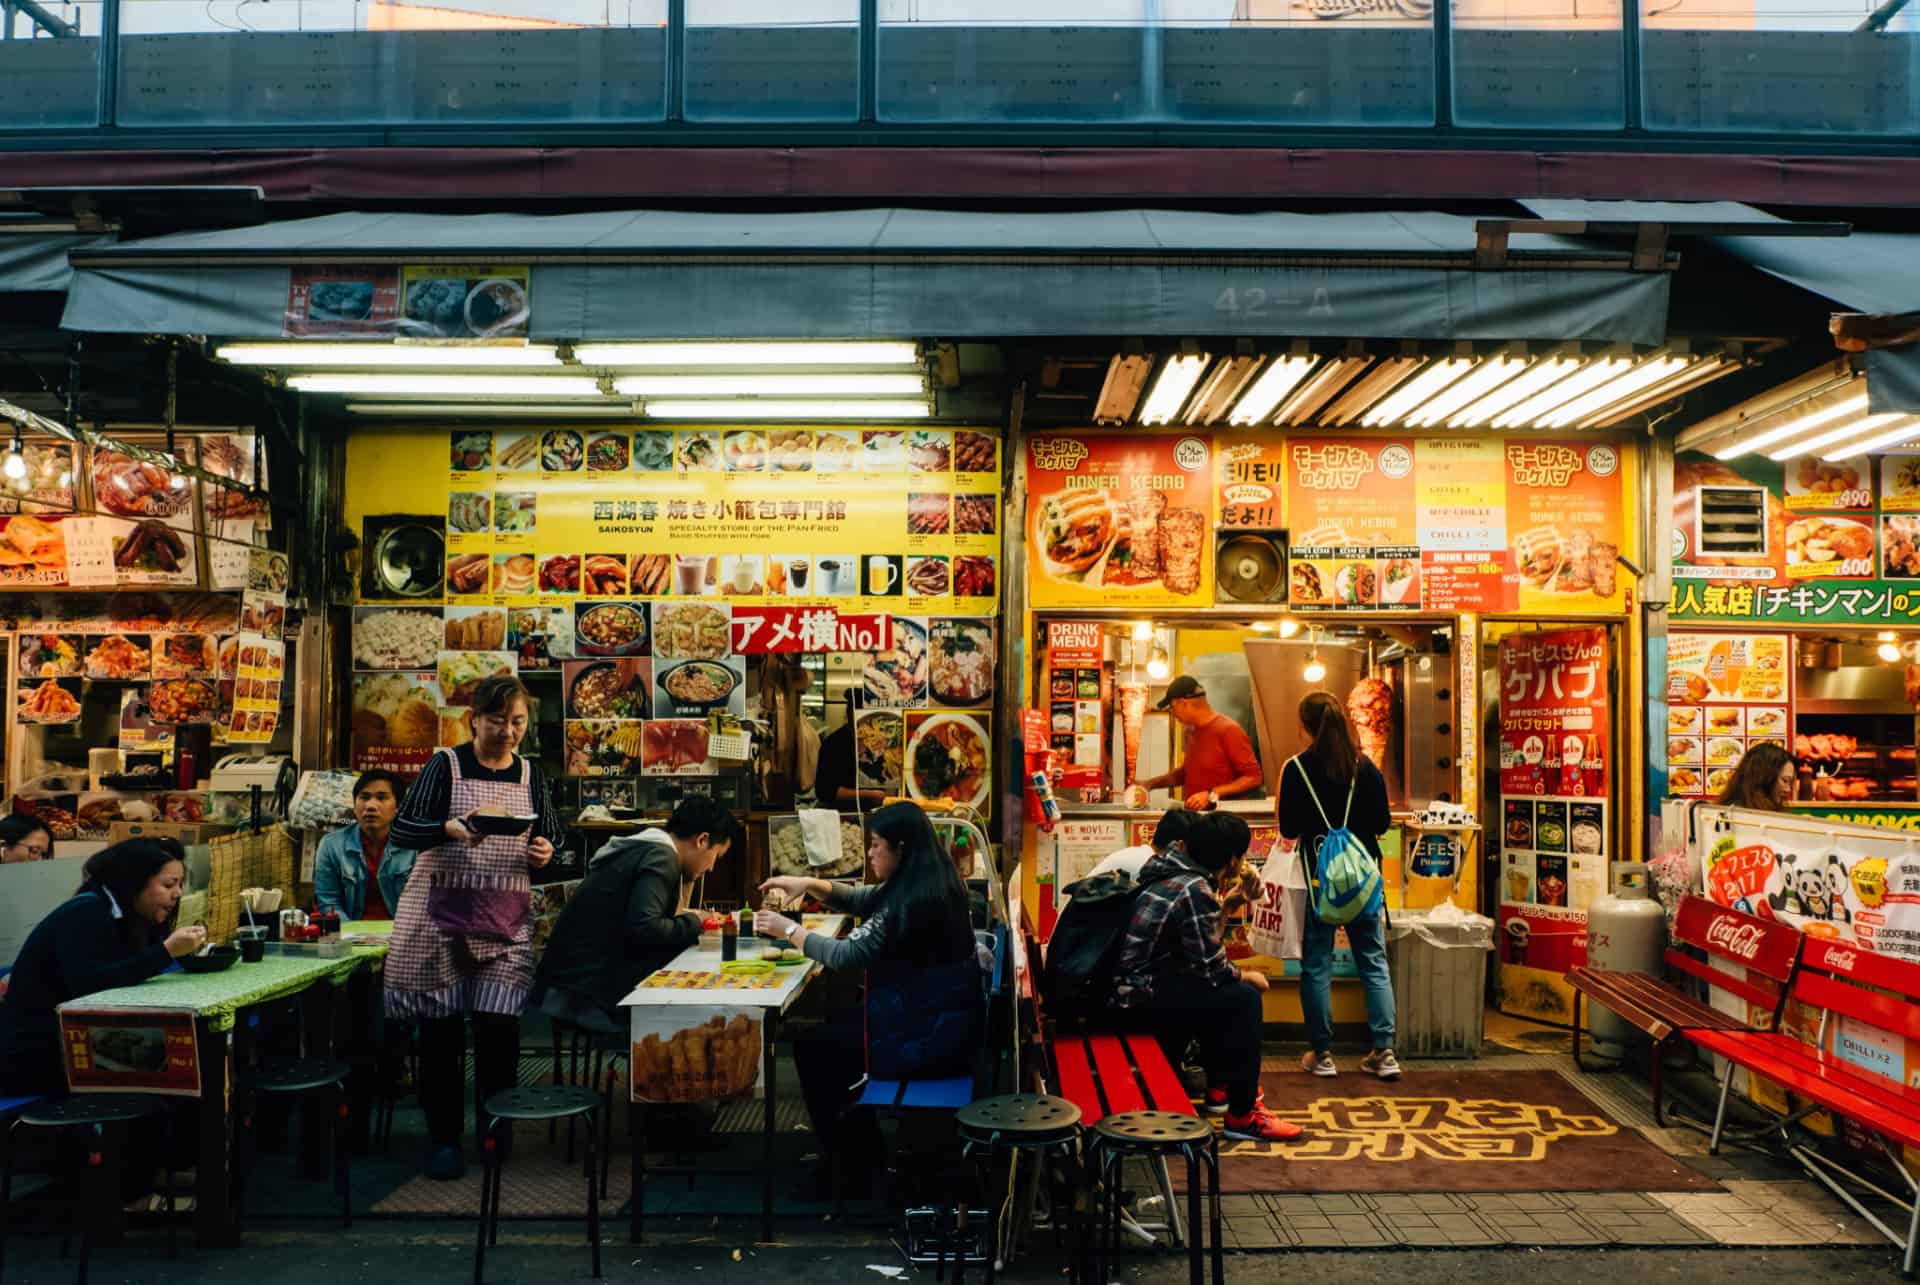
<point x="457" y="829"/>
<point x="794" y="887"/>
<point x="184" y="941"/>
<point x="539" y="851"/>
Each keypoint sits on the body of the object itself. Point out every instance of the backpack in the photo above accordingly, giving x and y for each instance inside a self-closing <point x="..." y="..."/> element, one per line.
<point x="1343" y="875"/>
<point x="1085" y="947"/>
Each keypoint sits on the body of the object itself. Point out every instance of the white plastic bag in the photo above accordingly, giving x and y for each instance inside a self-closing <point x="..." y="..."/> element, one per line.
<point x="820" y="833"/>
<point x="1274" y="926"/>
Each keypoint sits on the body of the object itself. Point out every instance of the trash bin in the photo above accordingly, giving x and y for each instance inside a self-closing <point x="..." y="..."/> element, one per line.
<point x="1439" y="963"/>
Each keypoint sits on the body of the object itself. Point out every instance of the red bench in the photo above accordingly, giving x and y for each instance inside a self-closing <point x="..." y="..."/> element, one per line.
<point x="1105" y="1075"/>
<point x="1868" y="989"/>
<point x="1748" y="958"/>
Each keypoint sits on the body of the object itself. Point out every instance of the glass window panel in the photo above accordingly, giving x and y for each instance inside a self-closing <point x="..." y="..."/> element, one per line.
<point x="1804" y="67"/>
<point x="1298" y="62"/>
<point x="773" y="60"/>
<point x="249" y="62"/>
<point x="50" y="77"/>
<point x="1549" y="64"/>
<point x="1008" y="60"/>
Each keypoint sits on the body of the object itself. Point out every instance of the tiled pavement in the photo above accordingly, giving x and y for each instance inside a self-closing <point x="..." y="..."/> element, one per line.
<point x="1748" y="1213"/>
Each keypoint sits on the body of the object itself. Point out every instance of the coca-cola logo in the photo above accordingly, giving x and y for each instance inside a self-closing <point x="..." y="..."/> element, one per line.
<point x="1841" y="961"/>
<point x="1735" y="937"/>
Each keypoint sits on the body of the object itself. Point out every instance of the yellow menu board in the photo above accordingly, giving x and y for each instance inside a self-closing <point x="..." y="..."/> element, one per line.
<point x="863" y="520"/>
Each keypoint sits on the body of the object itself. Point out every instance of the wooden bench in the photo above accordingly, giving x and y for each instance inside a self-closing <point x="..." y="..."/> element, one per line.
<point x="1869" y="990"/>
<point x="1106" y="1074"/>
<point x="1751" y="959"/>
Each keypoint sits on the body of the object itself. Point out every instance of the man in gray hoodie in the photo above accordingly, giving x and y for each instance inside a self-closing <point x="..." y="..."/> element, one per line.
<point x="628" y="917"/>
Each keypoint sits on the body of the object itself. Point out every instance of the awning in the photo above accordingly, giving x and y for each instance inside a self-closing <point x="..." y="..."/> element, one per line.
<point x="34" y="259"/>
<point x="899" y="273"/>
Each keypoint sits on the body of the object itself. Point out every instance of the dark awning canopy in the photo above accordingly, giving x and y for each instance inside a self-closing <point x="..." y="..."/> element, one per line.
<point x="33" y="257"/>
<point x="908" y="273"/>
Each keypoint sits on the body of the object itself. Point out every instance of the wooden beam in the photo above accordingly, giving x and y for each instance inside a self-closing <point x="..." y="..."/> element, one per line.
<point x="1859" y="331"/>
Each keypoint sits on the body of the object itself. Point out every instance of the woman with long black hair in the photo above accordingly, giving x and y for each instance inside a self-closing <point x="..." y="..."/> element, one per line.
<point x="1330" y="779"/>
<point x="116" y="930"/>
<point x="925" y="1002"/>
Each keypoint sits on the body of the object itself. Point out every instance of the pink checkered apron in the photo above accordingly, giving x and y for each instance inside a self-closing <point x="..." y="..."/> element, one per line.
<point x="463" y="932"/>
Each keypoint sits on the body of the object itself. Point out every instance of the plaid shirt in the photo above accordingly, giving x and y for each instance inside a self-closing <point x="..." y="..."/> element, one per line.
<point x="1175" y="929"/>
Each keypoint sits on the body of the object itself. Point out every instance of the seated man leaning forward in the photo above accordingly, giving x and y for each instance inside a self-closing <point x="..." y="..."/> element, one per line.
<point x="357" y="872"/>
<point x="629" y="916"/>
<point x="1173" y="979"/>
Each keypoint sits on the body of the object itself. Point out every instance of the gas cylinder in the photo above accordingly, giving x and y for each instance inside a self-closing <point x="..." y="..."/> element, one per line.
<point x="1626" y="933"/>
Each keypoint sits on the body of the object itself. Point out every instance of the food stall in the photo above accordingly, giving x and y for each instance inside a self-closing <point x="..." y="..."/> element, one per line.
<point x="1795" y="590"/>
<point x="1465" y="598"/>
<point x="680" y="602"/>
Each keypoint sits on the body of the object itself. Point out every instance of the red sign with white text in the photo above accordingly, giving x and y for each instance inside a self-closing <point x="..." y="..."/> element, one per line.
<point x="761" y="631"/>
<point x="1553" y="713"/>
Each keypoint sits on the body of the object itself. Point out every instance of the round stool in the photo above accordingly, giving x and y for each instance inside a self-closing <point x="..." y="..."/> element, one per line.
<point x="94" y="1112"/>
<point x="300" y="1077"/>
<point x="1034" y="1124"/>
<point x="586" y="1052"/>
<point x="541" y="1102"/>
<point x="1155" y="1135"/>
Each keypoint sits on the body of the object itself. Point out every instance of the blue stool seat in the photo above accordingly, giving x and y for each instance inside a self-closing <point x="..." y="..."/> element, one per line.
<point x="9" y="1106"/>
<point x="949" y="1094"/>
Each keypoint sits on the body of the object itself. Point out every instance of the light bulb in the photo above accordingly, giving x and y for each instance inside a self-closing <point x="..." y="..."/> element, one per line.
<point x="1885" y="635"/>
<point x="1289" y="627"/>
<point x="66" y="478"/>
<point x="1315" y="671"/>
<point x="1143" y="631"/>
<point x="1889" y="652"/>
<point x="1157" y="668"/>
<point x="16" y="465"/>
<point x="178" y="482"/>
<point x="1262" y="626"/>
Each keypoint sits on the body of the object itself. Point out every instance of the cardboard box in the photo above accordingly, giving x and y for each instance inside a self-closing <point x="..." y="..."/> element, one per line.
<point x="187" y="834"/>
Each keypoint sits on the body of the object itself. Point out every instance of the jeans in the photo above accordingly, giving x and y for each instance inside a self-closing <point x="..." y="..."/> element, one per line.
<point x="1225" y="1020"/>
<point x="1316" y="979"/>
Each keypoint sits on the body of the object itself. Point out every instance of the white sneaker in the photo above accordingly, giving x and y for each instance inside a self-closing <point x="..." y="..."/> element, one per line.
<point x="1383" y="1063"/>
<point x="1320" y="1064"/>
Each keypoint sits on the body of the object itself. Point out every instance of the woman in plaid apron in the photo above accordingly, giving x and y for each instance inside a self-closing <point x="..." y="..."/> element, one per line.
<point x="462" y="933"/>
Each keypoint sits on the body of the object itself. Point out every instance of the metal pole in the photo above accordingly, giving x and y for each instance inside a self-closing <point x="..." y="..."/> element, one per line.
<point x="869" y="61"/>
<point x="1631" y="65"/>
<point x="109" y="102"/>
<point x="1443" y="62"/>
<point x="676" y="59"/>
<point x="39" y="16"/>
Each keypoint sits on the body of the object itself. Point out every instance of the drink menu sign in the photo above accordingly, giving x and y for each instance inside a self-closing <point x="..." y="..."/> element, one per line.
<point x="1455" y="524"/>
<point x="1076" y="709"/>
<point x="1804" y="541"/>
<point x="1554" y="742"/>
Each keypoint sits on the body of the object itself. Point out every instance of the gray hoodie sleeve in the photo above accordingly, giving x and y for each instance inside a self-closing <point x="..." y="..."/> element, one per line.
<point x="850" y="898"/>
<point x="853" y="952"/>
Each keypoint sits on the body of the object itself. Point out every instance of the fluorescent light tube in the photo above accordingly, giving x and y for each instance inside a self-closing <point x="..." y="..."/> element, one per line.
<point x="1895" y="436"/>
<point x="1869" y="426"/>
<point x="1540" y="375"/>
<point x="320" y="353"/>
<point x="1368" y="389"/>
<point x="1172" y="385"/>
<point x="1319" y="389"/>
<point x="674" y="353"/>
<point x="1492" y="373"/>
<point x="1781" y="432"/>
<point x="1120" y="390"/>
<point x="1533" y="410"/>
<point x="499" y="410"/>
<point x="754" y="409"/>
<point x="1647" y="372"/>
<point x="1275" y="382"/>
<point x="902" y="384"/>
<point x="1221" y="387"/>
<point x="398" y="385"/>
<point x="1416" y="391"/>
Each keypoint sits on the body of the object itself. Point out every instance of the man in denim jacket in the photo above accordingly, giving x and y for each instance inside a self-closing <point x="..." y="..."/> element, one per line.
<point x="356" y="871"/>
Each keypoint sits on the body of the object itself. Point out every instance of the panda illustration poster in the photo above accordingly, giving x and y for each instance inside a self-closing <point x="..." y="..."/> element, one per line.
<point x="1828" y="879"/>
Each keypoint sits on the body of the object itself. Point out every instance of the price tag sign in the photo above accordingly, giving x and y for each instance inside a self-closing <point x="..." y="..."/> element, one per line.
<point x="89" y="553"/>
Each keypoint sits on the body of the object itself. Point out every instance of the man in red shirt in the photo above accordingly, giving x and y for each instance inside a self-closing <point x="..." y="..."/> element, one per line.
<point x="1220" y="761"/>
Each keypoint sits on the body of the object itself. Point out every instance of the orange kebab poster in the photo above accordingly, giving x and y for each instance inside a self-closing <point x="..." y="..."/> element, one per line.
<point x="1119" y="519"/>
<point x="1353" y="540"/>
<point x="1567" y="515"/>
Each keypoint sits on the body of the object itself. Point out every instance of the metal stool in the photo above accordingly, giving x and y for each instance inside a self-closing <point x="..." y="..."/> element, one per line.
<point x="1033" y="1124"/>
<point x="586" y="1051"/>
<point x="92" y="1112"/>
<point x="542" y="1102"/>
<point x="401" y="1054"/>
<point x="297" y="1077"/>
<point x="1154" y="1135"/>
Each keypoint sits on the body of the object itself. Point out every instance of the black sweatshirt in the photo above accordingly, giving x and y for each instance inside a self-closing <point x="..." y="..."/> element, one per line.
<point x="1300" y="819"/>
<point x="79" y="949"/>
<point x="623" y="922"/>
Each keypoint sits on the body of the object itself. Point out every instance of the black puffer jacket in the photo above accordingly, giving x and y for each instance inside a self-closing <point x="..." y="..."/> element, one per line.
<point x="620" y="925"/>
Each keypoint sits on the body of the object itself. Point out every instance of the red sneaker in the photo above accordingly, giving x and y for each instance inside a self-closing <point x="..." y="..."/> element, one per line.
<point x="1217" y="1100"/>
<point x="1261" y="1125"/>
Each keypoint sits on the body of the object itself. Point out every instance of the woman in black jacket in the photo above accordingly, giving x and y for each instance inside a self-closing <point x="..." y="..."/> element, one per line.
<point x="925" y="1000"/>
<point x="1328" y="781"/>
<point x="114" y="931"/>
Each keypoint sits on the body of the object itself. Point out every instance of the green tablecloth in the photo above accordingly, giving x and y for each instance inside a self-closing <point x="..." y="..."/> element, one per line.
<point x="368" y="928"/>
<point x="214" y="997"/>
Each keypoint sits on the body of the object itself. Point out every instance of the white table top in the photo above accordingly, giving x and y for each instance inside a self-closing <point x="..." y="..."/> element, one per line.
<point x="699" y="959"/>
